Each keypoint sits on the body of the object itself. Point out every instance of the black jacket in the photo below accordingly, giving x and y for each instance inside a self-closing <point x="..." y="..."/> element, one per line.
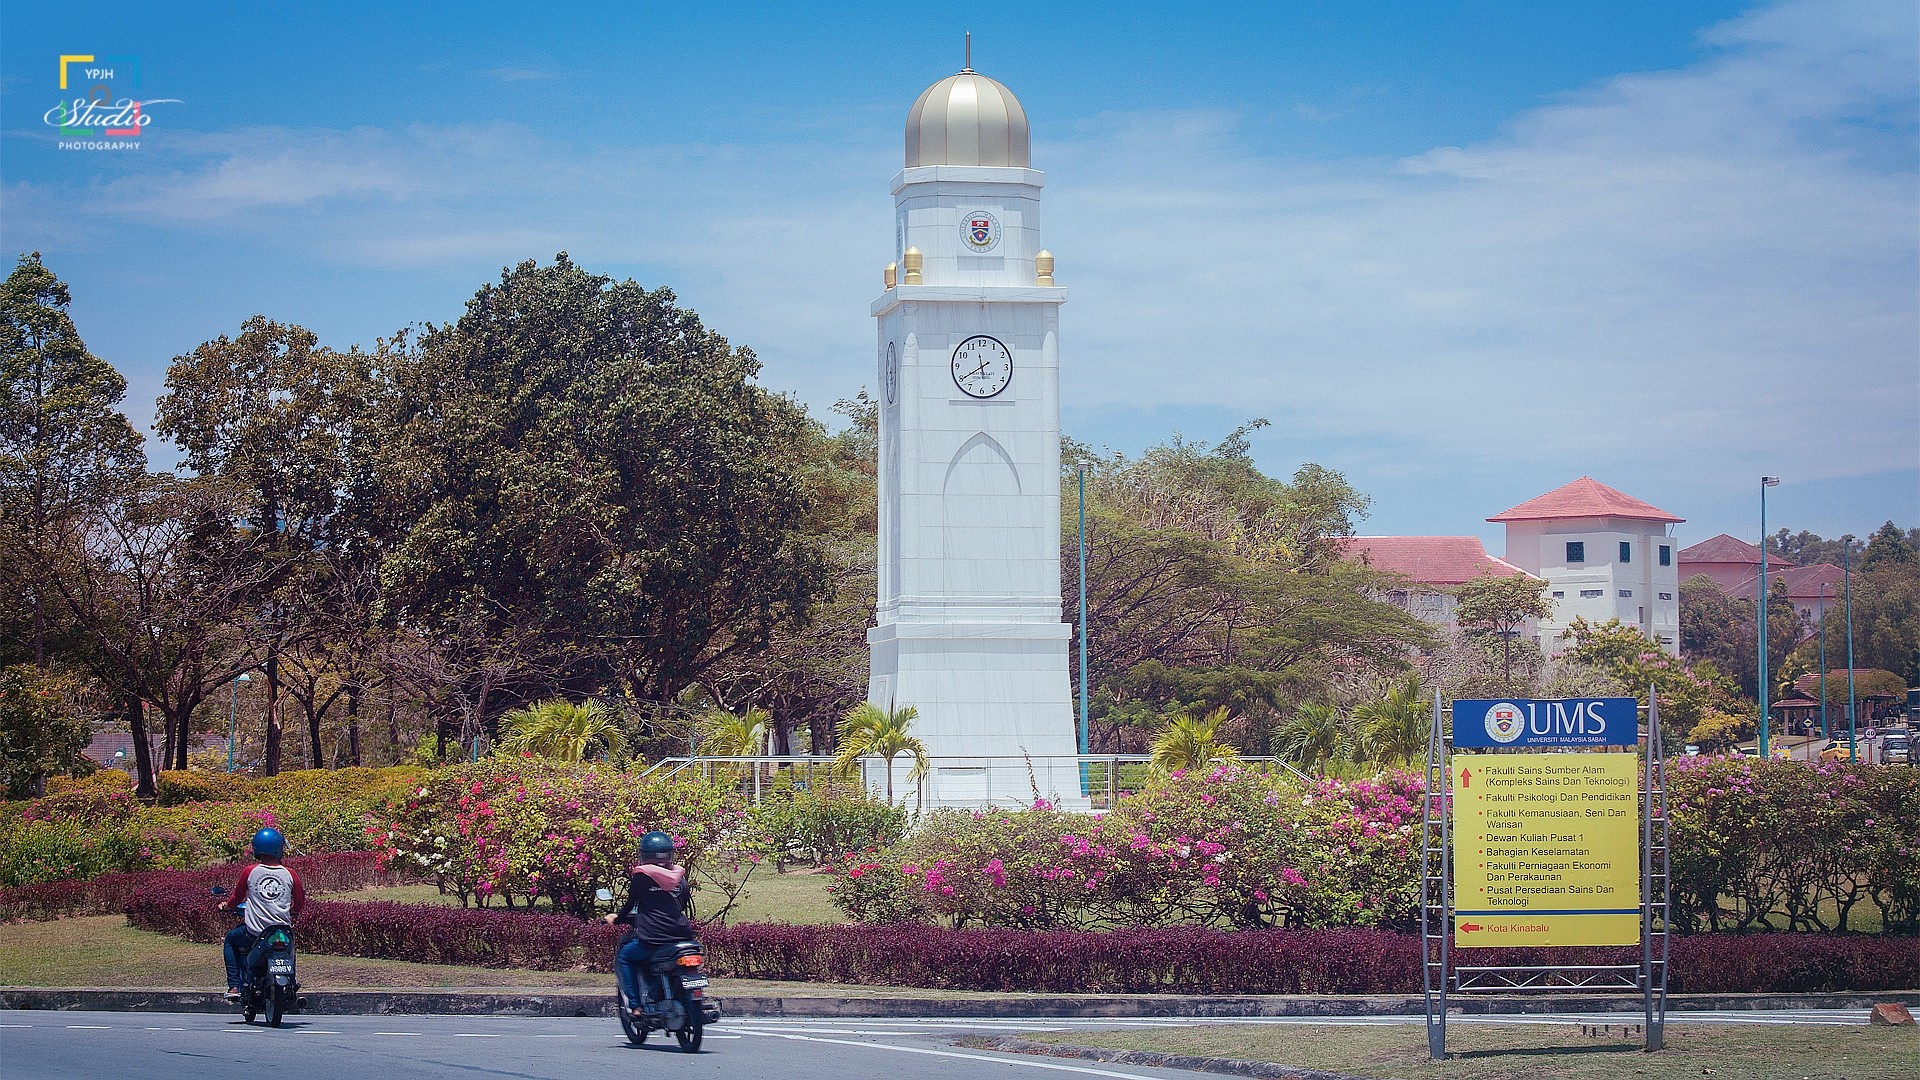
<point x="658" y="917"/>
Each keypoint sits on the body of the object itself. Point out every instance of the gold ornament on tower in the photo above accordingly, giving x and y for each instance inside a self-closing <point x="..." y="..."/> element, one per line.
<point x="1043" y="268"/>
<point x="891" y="274"/>
<point x="912" y="261"/>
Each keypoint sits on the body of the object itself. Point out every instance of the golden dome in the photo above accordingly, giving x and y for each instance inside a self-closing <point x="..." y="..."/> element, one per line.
<point x="967" y="119"/>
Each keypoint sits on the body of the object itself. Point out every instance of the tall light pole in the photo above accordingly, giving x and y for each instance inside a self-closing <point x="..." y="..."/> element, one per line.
<point x="1080" y="471"/>
<point x="1846" y="570"/>
<point x="1766" y="750"/>
<point x="233" y="715"/>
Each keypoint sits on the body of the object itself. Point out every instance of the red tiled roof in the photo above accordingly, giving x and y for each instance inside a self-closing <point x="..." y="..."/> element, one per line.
<point x="1584" y="498"/>
<point x="1803" y="582"/>
<point x="1430" y="560"/>
<point x="1728" y="549"/>
<point x="1808" y="685"/>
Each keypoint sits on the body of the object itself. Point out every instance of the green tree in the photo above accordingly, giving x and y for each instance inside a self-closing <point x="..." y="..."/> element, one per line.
<point x="868" y="730"/>
<point x="1888" y="547"/>
<point x="1499" y="606"/>
<point x="1192" y="742"/>
<point x="559" y="730"/>
<point x="1624" y="655"/>
<point x="1395" y="729"/>
<point x="582" y="462"/>
<point x="65" y="447"/>
<point x="725" y="733"/>
<point x="1316" y="736"/>
<point x="44" y="727"/>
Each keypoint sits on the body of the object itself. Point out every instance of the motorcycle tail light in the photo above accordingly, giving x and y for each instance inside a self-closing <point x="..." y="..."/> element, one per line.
<point x="690" y="961"/>
<point x="279" y="946"/>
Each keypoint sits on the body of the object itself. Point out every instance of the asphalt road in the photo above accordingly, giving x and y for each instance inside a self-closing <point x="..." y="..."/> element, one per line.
<point x="136" y="1046"/>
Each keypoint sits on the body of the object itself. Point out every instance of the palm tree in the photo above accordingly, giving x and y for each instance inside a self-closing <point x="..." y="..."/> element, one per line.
<point x="1396" y="729"/>
<point x="1316" y="736"/>
<point x="724" y="733"/>
<point x="558" y="729"/>
<point x="1192" y="742"/>
<point x="869" y="730"/>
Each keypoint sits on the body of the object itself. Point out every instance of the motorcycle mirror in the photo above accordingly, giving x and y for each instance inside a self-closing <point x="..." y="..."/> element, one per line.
<point x="605" y="896"/>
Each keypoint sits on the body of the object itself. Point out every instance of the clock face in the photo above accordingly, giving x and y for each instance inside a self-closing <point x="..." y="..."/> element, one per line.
<point x="982" y="366"/>
<point x="890" y="376"/>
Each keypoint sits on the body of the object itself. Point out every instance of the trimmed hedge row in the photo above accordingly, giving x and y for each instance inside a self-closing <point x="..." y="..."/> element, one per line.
<point x="110" y="893"/>
<point x="1177" y="960"/>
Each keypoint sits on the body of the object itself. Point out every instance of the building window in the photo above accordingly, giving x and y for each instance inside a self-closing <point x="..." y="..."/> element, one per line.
<point x="1592" y="594"/>
<point x="1626" y="594"/>
<point x="1666" y="596"/>
<point x="1666" y="554"/>
<point x="1576" y="551"/>
<point x="1559" y="594"/>
<point x="1626" y="551"/>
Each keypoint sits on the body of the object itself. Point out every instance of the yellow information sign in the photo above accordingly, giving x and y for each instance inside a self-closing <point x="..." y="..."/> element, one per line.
<point x="1546" y="849"/>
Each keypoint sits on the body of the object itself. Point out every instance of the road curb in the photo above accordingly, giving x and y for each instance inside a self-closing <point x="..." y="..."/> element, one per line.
<point x="1265" y="1070"/>
<point x="321" y="1001"/>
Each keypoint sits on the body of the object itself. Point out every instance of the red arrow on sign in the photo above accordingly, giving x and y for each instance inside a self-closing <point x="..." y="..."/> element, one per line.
<point x="1465" y="776"/>
<point x="1468" y="928"/>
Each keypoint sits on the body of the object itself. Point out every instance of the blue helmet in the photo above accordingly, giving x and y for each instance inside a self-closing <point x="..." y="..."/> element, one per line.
<point x="269" y="844"/>
<point x="656" y="843"/>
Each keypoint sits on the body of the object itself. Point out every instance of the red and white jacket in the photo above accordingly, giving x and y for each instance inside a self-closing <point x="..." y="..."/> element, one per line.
<point x="273" y="894"/>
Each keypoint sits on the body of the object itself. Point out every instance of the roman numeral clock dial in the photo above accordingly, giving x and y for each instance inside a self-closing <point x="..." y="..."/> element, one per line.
<point x="982" y="366"/>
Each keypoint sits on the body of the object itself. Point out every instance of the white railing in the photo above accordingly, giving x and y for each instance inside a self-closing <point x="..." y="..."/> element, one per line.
<point x="1103" y="777"/>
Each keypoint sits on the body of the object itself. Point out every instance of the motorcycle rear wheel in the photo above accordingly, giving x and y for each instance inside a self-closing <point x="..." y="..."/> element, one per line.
<point x="276" y="1006"/>
<point x="689" y="1037"/>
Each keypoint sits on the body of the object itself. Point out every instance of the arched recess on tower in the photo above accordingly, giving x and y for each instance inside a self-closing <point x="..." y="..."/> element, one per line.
<point x="977" y="555"/>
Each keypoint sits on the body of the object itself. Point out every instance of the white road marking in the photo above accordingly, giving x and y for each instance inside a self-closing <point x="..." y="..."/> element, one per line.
<point x="297" y="1031"/>
<point x="1047" y="1065"/>
<point x="556" y="1036"/>
<point x="89" y="1027"/>
<point x="474" y="1035"/>
<point x="399" y="1033"/>
<point x="15" y="1025"/>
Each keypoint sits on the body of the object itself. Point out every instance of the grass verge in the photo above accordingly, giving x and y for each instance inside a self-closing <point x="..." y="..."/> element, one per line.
<point x="1533" y="1051"/>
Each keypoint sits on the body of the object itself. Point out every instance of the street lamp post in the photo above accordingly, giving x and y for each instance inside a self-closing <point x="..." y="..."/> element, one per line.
<point x="233" y="715"/>
<point x="1846" y="570"/>
<point x="1766" y="750"/>
<point x="1080" y="471"/>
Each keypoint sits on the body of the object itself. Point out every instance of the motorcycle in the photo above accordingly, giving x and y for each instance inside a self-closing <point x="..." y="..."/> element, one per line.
<point x="271" y="987"/>
<point x="679" y="990"/>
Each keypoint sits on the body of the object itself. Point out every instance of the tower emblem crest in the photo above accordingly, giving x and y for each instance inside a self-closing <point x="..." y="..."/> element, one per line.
<point x="1504" y="722"/>
<point x="981" y="232"/>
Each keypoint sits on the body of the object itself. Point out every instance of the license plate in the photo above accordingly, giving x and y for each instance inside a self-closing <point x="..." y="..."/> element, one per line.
<point x="693" y="982"/>
<point x="280" y="967"/>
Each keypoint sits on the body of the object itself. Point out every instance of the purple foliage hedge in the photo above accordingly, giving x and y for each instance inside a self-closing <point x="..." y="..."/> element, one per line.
<point x="1177" y="960"/>
<point x="108" y="894"/>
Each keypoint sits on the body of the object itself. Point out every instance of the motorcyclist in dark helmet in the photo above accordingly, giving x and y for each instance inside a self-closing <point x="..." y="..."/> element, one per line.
<point x="273" y="895"/>
<point x="656" y="909"/>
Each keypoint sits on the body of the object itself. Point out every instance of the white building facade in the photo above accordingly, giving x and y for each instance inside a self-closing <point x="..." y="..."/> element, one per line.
<point x="968" y="626"/>
<point x="1605" y="555"/>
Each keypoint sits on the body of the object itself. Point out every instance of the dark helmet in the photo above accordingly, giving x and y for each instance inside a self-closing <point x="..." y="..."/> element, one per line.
<point x="656" y="843"/>
<point x="269" y="844"/>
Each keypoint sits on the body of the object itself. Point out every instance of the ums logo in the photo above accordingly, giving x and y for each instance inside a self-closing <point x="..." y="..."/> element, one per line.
<point x="100" y="107"/>
<point x="1504" y="722"/>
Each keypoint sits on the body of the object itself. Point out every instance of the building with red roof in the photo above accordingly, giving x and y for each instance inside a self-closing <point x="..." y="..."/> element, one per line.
<point x="1811" y="589"/>
<point x="1440" y="562"/>
<point x="1727" y="560"/>
<point x="1605" y="554"/>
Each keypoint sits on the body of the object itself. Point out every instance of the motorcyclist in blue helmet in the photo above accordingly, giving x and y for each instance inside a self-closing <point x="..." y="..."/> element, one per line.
<point x="273" y="896"/>
<point x="656" y="912"/>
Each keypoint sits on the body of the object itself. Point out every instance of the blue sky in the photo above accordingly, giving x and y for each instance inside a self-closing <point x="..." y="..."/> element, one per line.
<point x="1462" y="252"/>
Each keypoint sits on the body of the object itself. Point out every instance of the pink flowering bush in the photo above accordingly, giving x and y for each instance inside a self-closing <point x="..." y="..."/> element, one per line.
<point x="1228" y="847"/>
<point x="523" y="829"/>
<point x="1791" y="846"/>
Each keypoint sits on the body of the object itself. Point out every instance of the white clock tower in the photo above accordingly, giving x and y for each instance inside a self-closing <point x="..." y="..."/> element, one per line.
<point x="968" y="626"/>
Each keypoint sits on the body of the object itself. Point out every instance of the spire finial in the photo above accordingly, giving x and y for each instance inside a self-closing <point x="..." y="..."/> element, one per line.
<point x="969" y="65"/>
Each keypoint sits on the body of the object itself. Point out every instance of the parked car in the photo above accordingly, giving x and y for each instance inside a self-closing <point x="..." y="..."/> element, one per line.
<point x="1896" y="750"/>
<point x="1835" y="751"/>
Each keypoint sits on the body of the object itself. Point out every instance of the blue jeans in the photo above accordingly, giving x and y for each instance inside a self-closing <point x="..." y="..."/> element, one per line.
<point x="630" y="964"/>
<point x="240" y="942"/>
